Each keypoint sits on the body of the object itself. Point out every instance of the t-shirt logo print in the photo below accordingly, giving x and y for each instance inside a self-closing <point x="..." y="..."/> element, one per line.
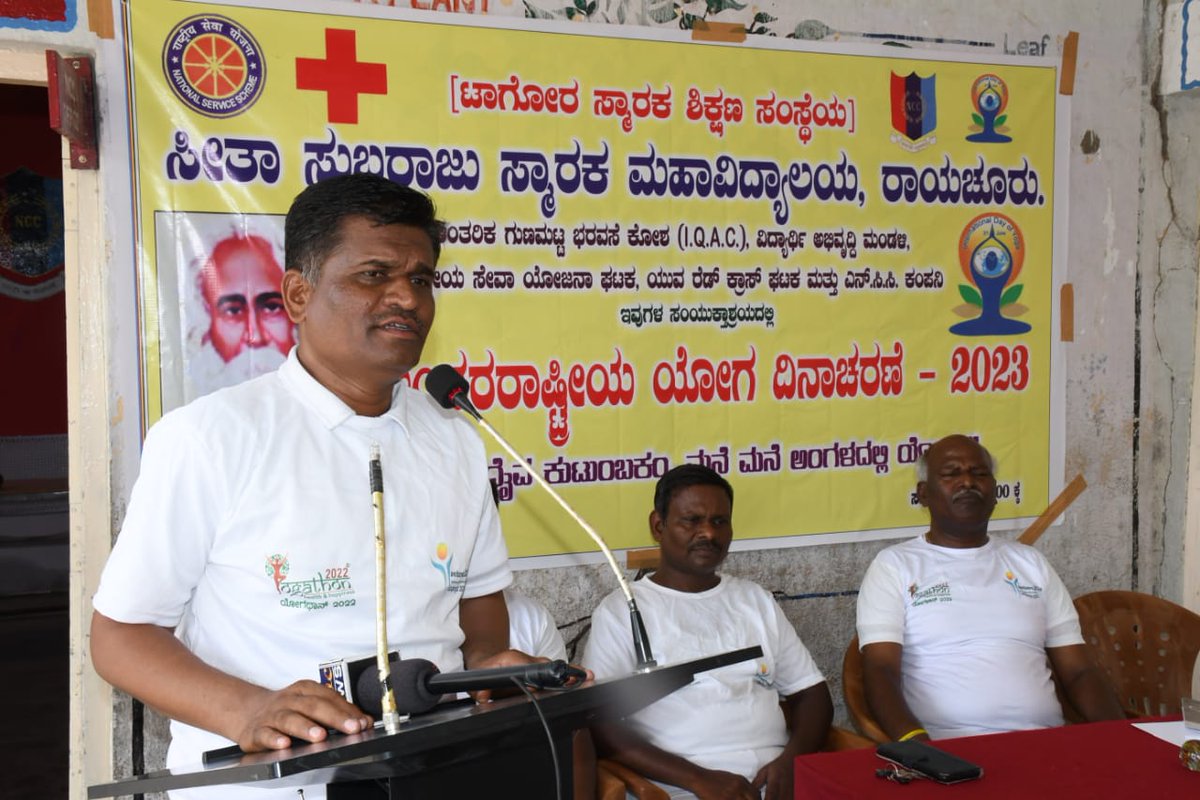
<point x="456" y="579"/>
<point x="1022" y="589"/>
<point x="763" y="675"/>
<point x="441" y="562"/>
<point x="937" y="593"/>
<point x="277" y="569"/>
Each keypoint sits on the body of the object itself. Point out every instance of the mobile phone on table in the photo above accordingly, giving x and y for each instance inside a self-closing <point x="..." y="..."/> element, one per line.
<point x="929" y="761"/>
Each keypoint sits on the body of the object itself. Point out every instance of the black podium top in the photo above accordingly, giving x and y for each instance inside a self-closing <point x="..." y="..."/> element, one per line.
<point x="448" y="734"/>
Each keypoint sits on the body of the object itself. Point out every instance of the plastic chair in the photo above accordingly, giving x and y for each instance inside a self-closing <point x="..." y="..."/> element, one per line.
<point x="856" y="696"/>
<point x="1145" y="644"/>
<point x="608" y="786"/>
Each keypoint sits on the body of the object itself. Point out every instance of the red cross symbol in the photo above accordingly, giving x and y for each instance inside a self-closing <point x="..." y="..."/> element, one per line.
<point x="341" y="76"/>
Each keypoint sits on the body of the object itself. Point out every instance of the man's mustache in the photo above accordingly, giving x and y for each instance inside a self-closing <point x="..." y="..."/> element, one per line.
<point x="400" y="315"/>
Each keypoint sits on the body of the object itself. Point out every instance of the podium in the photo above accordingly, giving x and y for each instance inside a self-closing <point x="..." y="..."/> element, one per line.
<point x="457" y="750"/>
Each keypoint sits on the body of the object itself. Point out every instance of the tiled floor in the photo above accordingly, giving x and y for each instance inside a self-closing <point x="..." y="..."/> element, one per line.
<point x="33" y="697"/>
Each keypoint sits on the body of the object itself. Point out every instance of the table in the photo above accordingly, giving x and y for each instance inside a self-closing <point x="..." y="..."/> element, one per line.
<point x="460" y="750"/>
<point x="1094" y="760"/>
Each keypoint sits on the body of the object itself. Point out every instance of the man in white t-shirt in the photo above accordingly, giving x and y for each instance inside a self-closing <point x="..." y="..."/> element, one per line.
<point x="531" y="627"/>
<point x="723" y="735"/>
<point x="959" y="631"/>
<point x="247" y="553"/>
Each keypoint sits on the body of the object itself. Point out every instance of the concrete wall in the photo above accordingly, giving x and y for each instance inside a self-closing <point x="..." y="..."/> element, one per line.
<point x="1132" y="259"/>
<point x="1168" y="255"/>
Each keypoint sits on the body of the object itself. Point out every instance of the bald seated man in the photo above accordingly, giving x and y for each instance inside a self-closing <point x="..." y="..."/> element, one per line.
<point x="959" y="630"/>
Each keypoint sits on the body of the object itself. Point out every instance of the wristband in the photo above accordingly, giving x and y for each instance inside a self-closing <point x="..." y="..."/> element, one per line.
<point x="914" y="733"/>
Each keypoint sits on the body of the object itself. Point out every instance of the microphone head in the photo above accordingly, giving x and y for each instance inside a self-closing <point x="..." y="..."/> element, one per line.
<point x="410" y="685"/>
<point x="444" y="383"/>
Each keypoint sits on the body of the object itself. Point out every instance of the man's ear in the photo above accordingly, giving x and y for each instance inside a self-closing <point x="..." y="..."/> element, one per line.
<point x="923" y="493"/>
<point x="656" y="526"/>
<point x="296" y="291"/>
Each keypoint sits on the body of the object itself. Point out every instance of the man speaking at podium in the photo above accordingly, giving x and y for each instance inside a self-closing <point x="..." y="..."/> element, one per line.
<point x="247" y="554"/>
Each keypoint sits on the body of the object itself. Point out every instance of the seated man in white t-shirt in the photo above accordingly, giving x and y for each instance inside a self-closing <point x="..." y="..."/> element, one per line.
<point x="959" y="632"/>
<point x="531" y="627"/>
<point x="723" y="735"/>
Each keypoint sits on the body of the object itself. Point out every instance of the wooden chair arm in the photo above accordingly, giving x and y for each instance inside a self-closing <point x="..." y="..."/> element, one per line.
<point x="638" y="786"/>
<point x="842" y="739"/>
<point x="856" y="696"/>
<point x="608" y="786"/>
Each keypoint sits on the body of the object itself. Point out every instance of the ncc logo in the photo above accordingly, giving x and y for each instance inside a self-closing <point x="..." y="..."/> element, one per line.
<point x="914" y="110"/>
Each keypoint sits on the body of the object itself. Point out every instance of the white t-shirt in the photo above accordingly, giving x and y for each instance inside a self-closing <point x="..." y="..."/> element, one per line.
<point x="728" y="718"/>
<point x="974" y="624"/>
<point x="250" y="531"/>
<point x="531" y="629"/>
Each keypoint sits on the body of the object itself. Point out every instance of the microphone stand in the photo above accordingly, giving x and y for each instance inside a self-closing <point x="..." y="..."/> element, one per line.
<point x="641" y="640"/>
<point x="391" y="717"/>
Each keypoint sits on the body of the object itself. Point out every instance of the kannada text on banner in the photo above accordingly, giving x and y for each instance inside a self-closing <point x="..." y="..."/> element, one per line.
<point x="796" y="267"/>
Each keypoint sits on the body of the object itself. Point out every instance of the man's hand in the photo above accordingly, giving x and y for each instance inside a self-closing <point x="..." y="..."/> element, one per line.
<point x="883" y="686"/>
<point x="713" y="784"/>
<point x="1085" y="685"/>
<point x="510" y="658"/>
<point x="776" y="776"/>
<point x="506" y="658"/>
<point x="148" y="662"/>
<point x="302" y="711"/>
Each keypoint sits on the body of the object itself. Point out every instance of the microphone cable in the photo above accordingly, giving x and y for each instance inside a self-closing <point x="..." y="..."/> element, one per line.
<point x="549" y="736"/>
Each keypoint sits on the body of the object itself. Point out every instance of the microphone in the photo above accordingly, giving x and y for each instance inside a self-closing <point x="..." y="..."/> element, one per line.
<point x="418" y="683"/>
<point x="451" y="390"/>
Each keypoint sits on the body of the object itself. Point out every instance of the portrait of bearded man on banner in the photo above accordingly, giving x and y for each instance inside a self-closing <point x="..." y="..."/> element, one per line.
<point x="240" y="285"/>
<point x="221" y="312"/>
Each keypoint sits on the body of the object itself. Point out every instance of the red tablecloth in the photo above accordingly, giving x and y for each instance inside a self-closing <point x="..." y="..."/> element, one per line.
<point x="1096" y="760"/>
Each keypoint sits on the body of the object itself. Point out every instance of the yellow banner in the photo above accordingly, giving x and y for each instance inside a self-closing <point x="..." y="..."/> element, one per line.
<point x="797" y="267"/>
